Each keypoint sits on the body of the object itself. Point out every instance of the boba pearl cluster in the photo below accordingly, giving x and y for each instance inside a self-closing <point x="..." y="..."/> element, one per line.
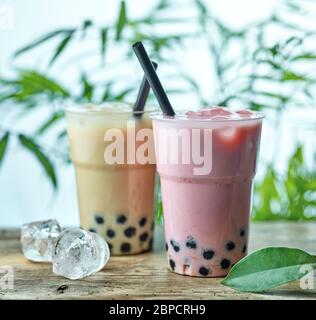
<point x="188" y="257"/>
<point x="123" y="233"/>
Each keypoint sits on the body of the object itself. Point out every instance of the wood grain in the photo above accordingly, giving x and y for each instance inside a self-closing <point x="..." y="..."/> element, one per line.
<point x="146" y="276"/>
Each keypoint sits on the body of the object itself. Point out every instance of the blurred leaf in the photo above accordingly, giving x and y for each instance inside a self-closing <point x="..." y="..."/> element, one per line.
<point x="277" y="96"/>
<point x="122" y="95"/>
<point x="295" y="184"/>
<point x="61" y="47"/>
<point x="202" y="7"/>
<point x="256" y="106"/>
<point x="88" y="88"/>
<point x="122" y="20"/>
<point x="103" y="36"/>
<point x="159" y="208"/>
<point x="62" y="135"/>
<point x="305" y="56"/>
<point x="289" y="75"/>
<point x="107" y="95"/>
<point x="293" y="6"/>
<point x="272" y="63"/>
<point x="294" y="41"/>
<point x="287" y="197"/>
<point x="166" y="42"/>
<point x="42" y="39"/>
<point x="30" y="87"/>
<point x="266" y="192"/>
<point x="161" y="5"/>
<point x="32" y="82"/>
<point x="274" y="50"/>
<point x="3" y="145"/>
<point x="35" y="149"/>
<point x="55" y="117"/>
<point x="85" y="26"/>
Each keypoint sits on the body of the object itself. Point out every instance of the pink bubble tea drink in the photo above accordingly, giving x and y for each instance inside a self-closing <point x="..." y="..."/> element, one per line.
<point x="206" y="205"/>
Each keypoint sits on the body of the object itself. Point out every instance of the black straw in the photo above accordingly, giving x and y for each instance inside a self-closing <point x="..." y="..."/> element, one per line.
<point x="153" y="79"/>
<point x="143" y="94"/>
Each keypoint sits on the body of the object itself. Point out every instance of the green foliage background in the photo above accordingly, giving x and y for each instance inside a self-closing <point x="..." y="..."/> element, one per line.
<point x="239" y="80"/>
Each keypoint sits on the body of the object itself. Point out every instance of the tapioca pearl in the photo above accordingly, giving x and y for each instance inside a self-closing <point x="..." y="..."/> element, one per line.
<point x="93" y="230"/>
<point x="175" y="245"/>
<point x="130" y="232"/>
<point x="143" y="237"/>
<point x="208" y="254"/>
<point x="230" y="245"/>
<point x="99" y="219"/>
<point x="121" y="219"/>
<point x="125" y="247"/>
<point x="244" y="248"/>
<point x="110" y="233"/>
<point x="204" y="271"/>
<point x="190" y="243"/>
<point x="172" y="264"/>
<point x="225" y="264"/>
<point x="242" y="232"/>
<point x="142" y="221"/>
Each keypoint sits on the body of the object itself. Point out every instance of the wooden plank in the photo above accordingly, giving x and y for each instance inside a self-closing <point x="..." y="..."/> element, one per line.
<point x="146" y="276"/>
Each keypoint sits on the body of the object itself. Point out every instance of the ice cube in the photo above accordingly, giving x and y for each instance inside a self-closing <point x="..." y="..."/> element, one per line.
<point x="37" y="239"/>
<point x="78" y="253"/>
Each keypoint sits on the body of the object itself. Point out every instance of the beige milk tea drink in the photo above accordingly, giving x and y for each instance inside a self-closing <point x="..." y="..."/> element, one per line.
<point x="206" y="212"/>
<point x="115" y="200"/>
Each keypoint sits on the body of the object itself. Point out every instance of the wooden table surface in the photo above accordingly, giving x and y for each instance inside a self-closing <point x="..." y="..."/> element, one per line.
<point x="146" y="276"/>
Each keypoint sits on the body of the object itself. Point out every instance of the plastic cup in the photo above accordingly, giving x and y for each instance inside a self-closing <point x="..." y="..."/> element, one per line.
<point x="116" y="200"/>
<point x="206" y="212"/>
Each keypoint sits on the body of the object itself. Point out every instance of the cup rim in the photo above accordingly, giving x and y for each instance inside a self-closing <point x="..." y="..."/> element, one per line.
<point x="182" y="117"/>
<point x="100" y="108"/>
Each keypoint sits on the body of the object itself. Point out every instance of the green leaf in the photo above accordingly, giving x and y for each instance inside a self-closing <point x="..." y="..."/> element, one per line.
<point x="3" y="145"/>
<point x="103" y="36"/>
<point x="202" y="7"/>
<point x="268" y="268"/>
<point x="85" y="26"/>
<point x="122" y="20"/>
<point x="49" y="122"/>
<point x="35" y="149"/>
<point x="61" y="47"/>
<point x="305" y="56"/>
<point x="292" y="76"/>
<point x="277" y="96"/>
<point x="87" y="90"/>
<point x="161" y="5"/>
<point x="61" y="135"/>
<point x="32" y="82"/>
<point x="42" y="40"/>
<point x="121" y="96"/>
<point x="265" y="194"/>
<point x="159" y="208"/>
<point x="107" y="95"/>
<point x="296" y="185"/>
